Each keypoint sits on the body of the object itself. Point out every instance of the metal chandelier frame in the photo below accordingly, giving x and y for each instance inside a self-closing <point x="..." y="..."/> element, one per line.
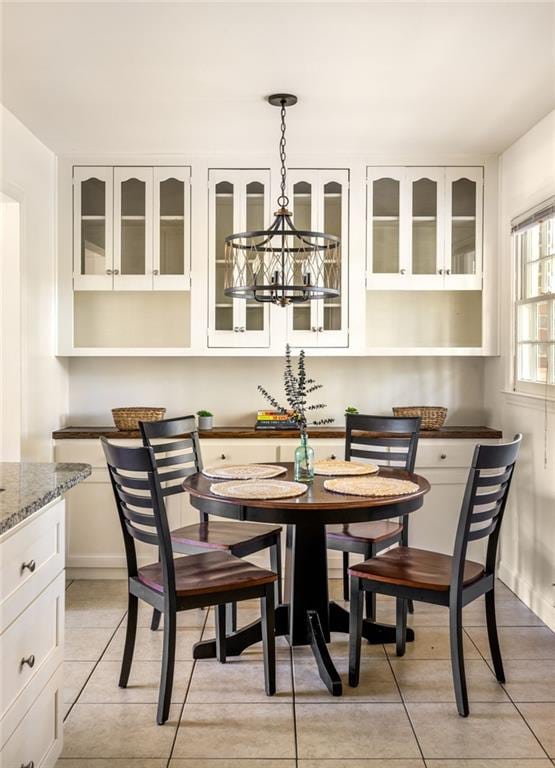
<point x="282" y="264"/>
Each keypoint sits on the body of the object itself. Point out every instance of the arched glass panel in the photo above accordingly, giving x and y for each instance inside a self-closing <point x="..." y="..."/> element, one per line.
<point x="385" y="225"/>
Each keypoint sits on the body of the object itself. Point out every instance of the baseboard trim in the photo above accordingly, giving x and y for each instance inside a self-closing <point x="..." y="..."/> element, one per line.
<point x="529" y="596"/>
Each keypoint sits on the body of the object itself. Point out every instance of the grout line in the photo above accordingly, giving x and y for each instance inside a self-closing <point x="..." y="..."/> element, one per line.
<point x="294" y="705"/>
<point x="404" y="703"/>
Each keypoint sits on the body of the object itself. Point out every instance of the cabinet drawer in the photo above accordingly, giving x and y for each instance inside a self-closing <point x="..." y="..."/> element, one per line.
<point x="332" y="449"/>
<point x="36" y="635"/>
<point x="242" y="452"/>
<point x="37" y="740"/>
<point x="39" y="544"/>
<point x="87" y="451"/>
<point x="441" y="454"/>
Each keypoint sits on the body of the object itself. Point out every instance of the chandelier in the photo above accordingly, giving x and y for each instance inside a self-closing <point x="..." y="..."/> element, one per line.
<point x="282" y="264"/>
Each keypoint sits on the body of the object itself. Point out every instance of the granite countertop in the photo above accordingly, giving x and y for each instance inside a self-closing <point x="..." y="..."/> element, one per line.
<point x="26" y="487"/>
<point x="228" y="433"/>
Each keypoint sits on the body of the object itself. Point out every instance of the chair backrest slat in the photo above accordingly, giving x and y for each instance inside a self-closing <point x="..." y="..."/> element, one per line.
<point x="492" y="468"/>
<point x="140" y="504"/>
<point x="173" y="445"/>
<point x="381" y="433"/>
<point x="180" y="450"/>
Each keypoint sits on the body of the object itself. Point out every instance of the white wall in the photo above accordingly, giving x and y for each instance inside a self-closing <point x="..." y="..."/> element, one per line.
<point x="527" y="563"/>
<point x="28" y="175"/>
<point x="227" y="386"/>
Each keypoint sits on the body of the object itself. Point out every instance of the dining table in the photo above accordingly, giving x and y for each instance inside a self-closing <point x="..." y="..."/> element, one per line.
<point x="307" y="616"/>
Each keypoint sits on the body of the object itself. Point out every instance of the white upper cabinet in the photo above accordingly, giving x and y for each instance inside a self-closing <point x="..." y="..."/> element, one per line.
<point x="131" y="228"/>
<point x="424" y="228"/>
<point x="239" y="201"/>
<point x="93" y="190"/>
<point x="319" y="202"/>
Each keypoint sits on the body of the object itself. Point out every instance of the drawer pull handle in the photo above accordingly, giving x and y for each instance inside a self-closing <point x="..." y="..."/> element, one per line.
<point x="30" y="764"/>
<point x="30" y="661"/>
<point x="30" y="566"/>
<point x="333" y="456"/>
<point x="223" y="456"/>
<point x="443" y="456"/>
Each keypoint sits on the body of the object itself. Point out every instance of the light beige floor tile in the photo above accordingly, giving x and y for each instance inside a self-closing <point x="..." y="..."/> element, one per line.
<point x="518" y="642"/>
<point x="148" y="645"/>
<point x="75" y="677"/>
<point x="191" y="619"/>
<point x="504" y="763"/>
<point x="102" y="591"/>
<point x="143" y="686"/>
<point x="118" y="730"/>
<point x="433" y="681"/>
<point x="87" y="615"/>
<point x="85" y="644"/>
<point x="491" y="730"/>
<point x="370" y="763"/>
<point x="339" y="648"/>
<point x="113" y="763"/>
<point x="245" y="616"/>
<point x="376" y="683"/>
<point x="509" y="613"/>
<point x="432" y="643"/>
<point x="354" y="730"/>
<point x="236" y="731"/>
<point x="530" y="680"/>
<point x="425" y="615"/>
<point x="541" y="719"/>
<point x="503" y="592"/>
<point x="239" y="679"/>
<point x="223" y="763"/>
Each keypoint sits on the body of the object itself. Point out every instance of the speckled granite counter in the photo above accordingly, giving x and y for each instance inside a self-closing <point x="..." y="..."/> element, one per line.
<point x="26" y="487"/>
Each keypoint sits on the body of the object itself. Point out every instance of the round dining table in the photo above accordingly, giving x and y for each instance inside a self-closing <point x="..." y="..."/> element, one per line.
<point x="307" y="616"/>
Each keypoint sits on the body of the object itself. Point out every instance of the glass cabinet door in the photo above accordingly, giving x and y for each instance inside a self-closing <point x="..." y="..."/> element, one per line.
<point x="463" y="246"/>
<point x="238" y="202"/>
<point x="171" y="252"/>
<point x="333" y="224"/>
<point x="133" y="214"/>
<point x="385" y="209"/>
<point x="304" y="317"/>
<point x="92" y="247"/>
<point x="426" y="228"/>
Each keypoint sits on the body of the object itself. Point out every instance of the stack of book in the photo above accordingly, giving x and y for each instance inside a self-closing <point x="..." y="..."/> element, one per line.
<point x="274" y="420"/>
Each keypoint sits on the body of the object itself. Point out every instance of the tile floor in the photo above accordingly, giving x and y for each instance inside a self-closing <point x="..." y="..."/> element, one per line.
<point x="401" y="716"/>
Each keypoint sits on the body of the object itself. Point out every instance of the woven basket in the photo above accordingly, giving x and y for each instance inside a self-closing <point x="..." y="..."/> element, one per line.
<point x="431" y="416"/>
<point x="127" y="419"/>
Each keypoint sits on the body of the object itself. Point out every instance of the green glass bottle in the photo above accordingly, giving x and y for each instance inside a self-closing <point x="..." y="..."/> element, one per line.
<point x="304" y="461"/>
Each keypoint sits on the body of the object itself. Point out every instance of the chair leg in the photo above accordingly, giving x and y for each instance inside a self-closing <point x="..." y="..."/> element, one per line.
<point x="346" y="576"/>
<point x="275" y="566"/>
<point x="230" y="618"/>
<point x="355" y="631"/>
<point x="457" y="657"/>
<point x="410" y="606"/>
<point x="168" y="664"/>
<point x="401" y="626"/>
<point x="131" y="633"/>
<point x="267" y="607"/>
<point x="493" y="637"/>
<point x="220" y="611"/>
<point x="404" y="543"/>
<point x="370" y="597"/>
<point x="155" y="623"/>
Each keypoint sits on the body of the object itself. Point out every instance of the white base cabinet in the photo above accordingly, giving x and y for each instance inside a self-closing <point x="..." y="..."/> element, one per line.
<point x="94" y="542"/>
<point x="32" y="590"/>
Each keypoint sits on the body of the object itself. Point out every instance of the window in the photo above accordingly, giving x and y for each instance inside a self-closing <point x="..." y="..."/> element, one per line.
<point x="534" y="248"/>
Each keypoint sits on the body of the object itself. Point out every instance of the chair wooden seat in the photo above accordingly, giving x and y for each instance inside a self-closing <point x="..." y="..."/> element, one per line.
<point x="418" y="568"/>
<point x="223" y="535"/>
<point x="373" y="533"/>
<point x="206" y="573"/>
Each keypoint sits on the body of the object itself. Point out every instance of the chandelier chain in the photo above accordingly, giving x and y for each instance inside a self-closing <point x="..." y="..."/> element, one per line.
<point x="283" y="200"/>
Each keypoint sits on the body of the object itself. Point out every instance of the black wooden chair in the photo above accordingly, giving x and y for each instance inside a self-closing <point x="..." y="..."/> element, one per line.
<point x="367" y="539"/>
<point x="180" y="584"/>
<point x="177" y="456"/>
<point x="407" y="573"/>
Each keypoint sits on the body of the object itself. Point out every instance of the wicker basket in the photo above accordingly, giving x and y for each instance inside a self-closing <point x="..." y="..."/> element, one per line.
<point x="431" y="416"/>
<point x="127" y="419"/>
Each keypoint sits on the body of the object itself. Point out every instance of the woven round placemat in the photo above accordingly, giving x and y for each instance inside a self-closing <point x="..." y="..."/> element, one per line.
<point x="244" y="471"/>
<point x="339" y="467"/>
<point x="258" y="489"/>
<point x="370" y="486"/>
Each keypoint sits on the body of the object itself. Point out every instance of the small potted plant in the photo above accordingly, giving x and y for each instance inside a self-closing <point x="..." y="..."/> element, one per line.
<point x="205" y="419"/>
<point x="350" y="409"/>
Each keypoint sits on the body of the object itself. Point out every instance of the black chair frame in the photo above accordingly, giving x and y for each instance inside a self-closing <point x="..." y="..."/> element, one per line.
<point x="488" y="517"/>
<point x="142" y="516"/>
<point x="182" y="435"/>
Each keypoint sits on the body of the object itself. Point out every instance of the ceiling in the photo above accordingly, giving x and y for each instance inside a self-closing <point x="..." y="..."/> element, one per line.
<point x="396" y="78"/>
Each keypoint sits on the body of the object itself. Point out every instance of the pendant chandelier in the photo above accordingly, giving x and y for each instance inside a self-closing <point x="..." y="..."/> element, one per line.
<point x="282" y="265"/>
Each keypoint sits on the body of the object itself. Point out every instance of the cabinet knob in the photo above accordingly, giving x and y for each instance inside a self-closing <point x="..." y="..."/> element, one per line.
<point x="440" y="271"/>
<point x="447" y="271"/>
<point x="116" y="272"/>
<point x="30" y="764"/>
<point x="402" y="271"/>
<point x="236" y="329"/>
<point x="29" y="661"/>
<point x="320" y="329"/>
<point x="242" y="329"/>
<point x="109" y="272"/>
<point x="223" y="456"/>
<point x="314" y="329"/>
<point x="155" y="271"/>
<point x="333" y="456"/>
<point x="443" y="456"/>
<point x="30" y="566"/>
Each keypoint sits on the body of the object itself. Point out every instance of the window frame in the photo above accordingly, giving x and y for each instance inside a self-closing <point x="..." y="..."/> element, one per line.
<point x="534" y="218"/>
